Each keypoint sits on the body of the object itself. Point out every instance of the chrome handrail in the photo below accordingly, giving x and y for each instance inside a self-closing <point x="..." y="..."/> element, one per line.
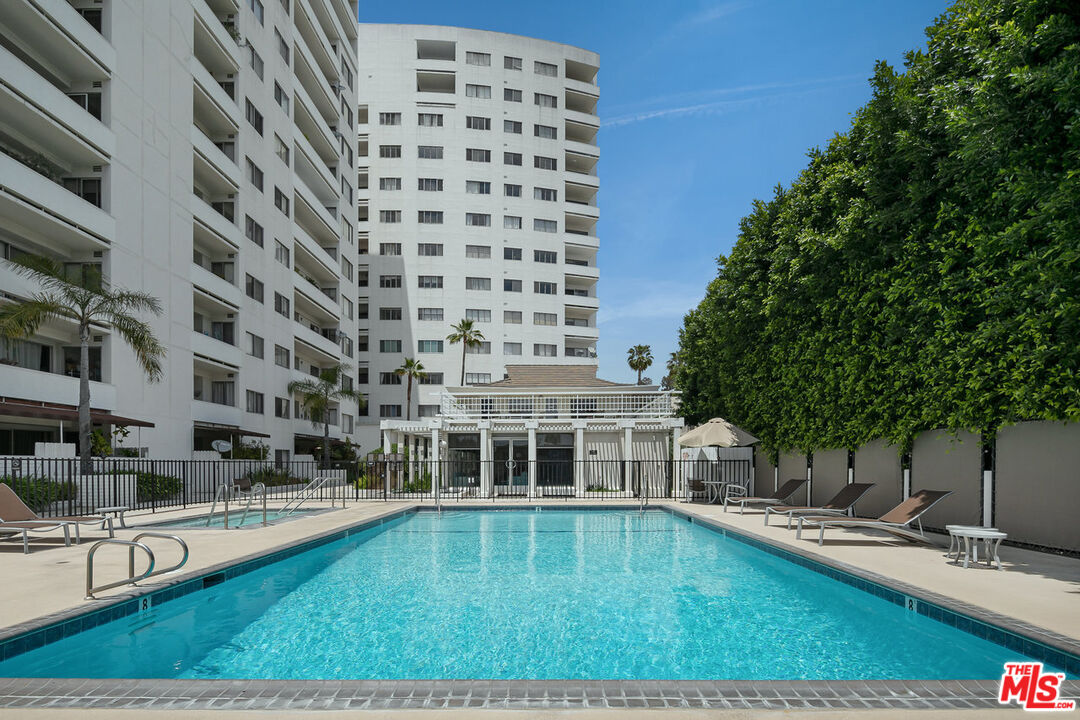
<point x="177" y="566"/>
<point x="317" y="483"/>
<point x="131" y="579"/>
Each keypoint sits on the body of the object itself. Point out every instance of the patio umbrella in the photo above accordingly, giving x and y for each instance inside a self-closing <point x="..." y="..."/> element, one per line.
<point x="718" y="432"/>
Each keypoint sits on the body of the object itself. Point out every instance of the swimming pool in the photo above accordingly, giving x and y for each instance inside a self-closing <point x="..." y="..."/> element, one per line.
<point x="522" y="594"/>
<point x="236" y="519"/>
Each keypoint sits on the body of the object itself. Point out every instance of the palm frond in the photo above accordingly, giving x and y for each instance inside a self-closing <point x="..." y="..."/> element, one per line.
<point x="22" y="319"/>
<point x="140" y="337"/>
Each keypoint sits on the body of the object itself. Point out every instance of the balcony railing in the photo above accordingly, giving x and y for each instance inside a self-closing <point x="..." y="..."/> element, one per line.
<point x="555" y="404"/>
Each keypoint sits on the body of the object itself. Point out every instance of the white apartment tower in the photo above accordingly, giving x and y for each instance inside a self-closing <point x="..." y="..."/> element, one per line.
<point x="477" y="200"/>
<point x="201" y="150"/>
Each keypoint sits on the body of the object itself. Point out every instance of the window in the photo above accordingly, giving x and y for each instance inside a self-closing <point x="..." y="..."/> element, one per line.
<point x="477" y="283"/>
<point x="429" y="346"/>
<point x="389" y="151"/>
<point x="511" y="253"/>
<point x="543" y="68"/>
<point x="389" y="216"/>
<point x="545" y="288"/>
<point x="282" y="46"/>
<point x="512" y="126"/>
<point x="511" y="348"/>
<point x="427" y="411"/>
<point x="257" y="8"/>
<point x="281" y="407"/>
<point x="390" y="411"/>
<point x="390" y="183"/>
<point x="548" y="101"/>
<point x="475" y="122"/>
<point x="478" y="91"/>
<point x="478" y="252"/>
<point x="254" y="288"/>
<point x="511" y="95"/>
<point x="254" y="175"/>
<point x="429" y="184"/>
<point x="254" y="402"/>
<point x="389" y="346"/>
<point x="545" y="163"/>
<point x="389" y="281"/>
<point x="346" y="423"/>
<point x="281" y="253"/>
<point x="429" y="120"/>
<point x="546" y="131"/>
<point x="511" y="158"/>
<point x="511" y="63"/>
<point x="346" y="268"/>
<point x="281" y="202"/>
<point x="347" y="307"/>
<point x="253" y="116"/>
<point x="389" y="378"/>
<point x="429" y="249"/>
<point x="429" y="314"/>
<point x="540" y="318"/>
<point x="256" y="62"/>
<point x="478" y="315"/>
<point x="511" y="190"/>
<point x="433" y="378"/>
<point x="478" y="219"/>
<point x="253" y="230"/>
<point x="478" y="58"/>
<point x="545" y="256"/>
<point x="544" y="350"/>
<point x="389" y="313"/>
<point x="548" y="226"/>
<point x="484" y="348"/>
<point x="281" y="304"/>
<point x="362" y="278"/>
<point x="477" y="187"/>
<point x="477" y="378"/>
<point x="476" y="155"/>
<point x="281" y="98"/>
<point x="389" y="248"/>
<point x="512" y="317"/>
<point x="362" y="375"/>
<point x="549" y="194"/>
<point x="255" y="345"/>
<point x="429" y="152"/>
<point x="281" y="356"/>
<point x="390" y="118"/>
<point x="511" y="285"/>
<point x="429" y="282"/>
<point x="429" y="217"/>
<point x="511" y="222"/>
<point x="281" y="150"/>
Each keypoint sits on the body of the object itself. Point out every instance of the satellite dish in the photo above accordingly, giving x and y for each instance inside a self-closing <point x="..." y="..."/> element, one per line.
<point x="222" y="446"/>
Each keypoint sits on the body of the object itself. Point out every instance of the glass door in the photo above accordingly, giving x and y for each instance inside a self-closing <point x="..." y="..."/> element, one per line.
<point x="511" y="466"/>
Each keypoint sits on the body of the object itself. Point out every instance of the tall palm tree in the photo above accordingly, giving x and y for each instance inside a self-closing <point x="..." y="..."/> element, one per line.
<point x="316" y="396"/>
<point x="410" y="369"/>
<point x="468" y="336"/>
<point x="639" y="358"/>
<point x="84" y="298"/>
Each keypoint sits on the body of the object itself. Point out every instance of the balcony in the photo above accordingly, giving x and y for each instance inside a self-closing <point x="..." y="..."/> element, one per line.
<point x="209" y="347"/>
<point x="215" y="284"/>
<point x="214" y="222"/>
<point x="313" y="126"/>
<point x="445" y="50"/>
<point x="315" y="37"/>
<point x="436" y="81"/>
<point x="311" y="215"/>
<point x="214" y="47"/>
<point x="210" y="159"/>
<point x="326" y="258"/>
<point x="313" y="171"/>
<point x="584" y="165"/>
<point x="581" y="220"/>
<point x="214" y="110"/>
<point x="316" y="343"/>
<point x="477" y="404"/>
<point x="313" y="302"/>
<point x="583" y="272"/>
<point x="582" y="134"/>
<point x="52" y="387"/>
<point x="582" y="74"/>
<point x="316" y="84"/>
<point x="581" y="106"/>
<point x="73" y="51"/>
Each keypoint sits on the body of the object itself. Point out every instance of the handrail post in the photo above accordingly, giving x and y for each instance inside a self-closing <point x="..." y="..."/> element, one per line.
<point x="226" y="494"/>
<point x="264" y="505"/>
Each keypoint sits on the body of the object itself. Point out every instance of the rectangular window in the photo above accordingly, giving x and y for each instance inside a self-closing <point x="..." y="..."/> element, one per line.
<point x="429" y="120"/>
<point x="511" y="190"/>
<point x="254" y="288"/>
<point x="389" y="151"/>
<point x="512" y="317"/>
<point x="429" y="314"/>
<point x="389" y="281"/>
<point x="478" y="91"/>
<point x="478" y="219"/>
<point x="281" y="356"/>
<point x="477" y="187"/>
<point x="477" y="155"/>
<point x="282" y="46"/>
<point x="254" y="174"/>
<point x="511" y="95"/>
<point x="281" y="149"/>
<point x="543" y="68"/>
<point x="389" y="216"/>
<point x="546" y="131"/>
<point x="475" y="122"/>
<point x="548" y="226"/>
<point x="484" y="348"/>
<point x="511" y="285"/>
<point x="544" y="350"/>
<point x="389" y="378"/>
<point x="478" y="58"/>
<point x="281" y="407"/>
<point x="477" y="378"/>
<point x="389" y="313"/>
<point x="256" y="63"/>
<point x="427" y="410"/>
<point x="346" y="423"/>
<point x="511" y="63"/>
<point x="390" y="411"/>
<point x="253" y="230"/>
<point x="429" y="184"/>
<point x="511" y="158"/>
<point x="281" y="253"/>
<point x="429" y="282"/>
<point x="478" y="252"/>
<point x="512" y="126"/>
<point x="389" y="118"/>
<point x="545" y="288"/>
<point x="429" y="249"/>
<point x="477" y="315"/>
<point x="433" y="378"/>
<point x="549" y="194"/>
<point x="429" y="217"/>
<point x="346" y="268"/>
<point x="477" y="283"/>
<point x="389" y="346"/>
<point x="347" y="307"/>
<point x="429" y="346"/>
<point x="540" y="318"/>
<point x="389" y="248"/>
<point x="281" y="98"/>
<point x="429" y="152"/>
<point x="253" y="116"/>
<point x="390" y="183"/>
<point x="281" y="305"/>
<point x="511" y="253"/>
<point x="545" y="163"/>
<point x="254" y="402"/>
<point x="545" y="256"/>
<point x="548" y="101"/>
<point x="255" y="345"/>
<point x="511" y="222"/>
<point x="281" y="201"/>
<point x="257" y="8"/>
<point x="511" y="348"/>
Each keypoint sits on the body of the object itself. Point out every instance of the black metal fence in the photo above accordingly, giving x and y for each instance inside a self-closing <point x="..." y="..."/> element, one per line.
<point x="56" y="487"/>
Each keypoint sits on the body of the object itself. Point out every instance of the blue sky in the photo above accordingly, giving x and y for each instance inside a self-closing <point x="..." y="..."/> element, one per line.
<point x="704" y="106"/>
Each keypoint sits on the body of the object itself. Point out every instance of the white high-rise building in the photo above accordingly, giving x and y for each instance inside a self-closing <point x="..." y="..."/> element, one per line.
<point x="477" y="200"/>
<point x="201" y="150"/>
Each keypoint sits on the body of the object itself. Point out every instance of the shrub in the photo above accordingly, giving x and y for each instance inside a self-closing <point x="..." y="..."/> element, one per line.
<point x="250" y="451"/>
<point x="150" y="486"/>
<point x="271" y="477"/>
<point x="38" y="492"/>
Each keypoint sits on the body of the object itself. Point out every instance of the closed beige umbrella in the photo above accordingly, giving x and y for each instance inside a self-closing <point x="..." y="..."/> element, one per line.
<point x="718" y="432"/>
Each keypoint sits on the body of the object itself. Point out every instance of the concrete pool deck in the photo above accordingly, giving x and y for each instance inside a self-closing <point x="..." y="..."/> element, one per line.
<point x="1035" y="589"/>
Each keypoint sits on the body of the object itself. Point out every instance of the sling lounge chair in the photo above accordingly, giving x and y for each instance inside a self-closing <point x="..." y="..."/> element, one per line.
<point x="897" y="521"/>
<point x="839" y="505"/>
<point x="15" y="515"/>
<point x="777" y="498"/>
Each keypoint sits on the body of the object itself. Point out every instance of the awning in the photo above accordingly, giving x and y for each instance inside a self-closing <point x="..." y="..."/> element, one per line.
<point x="13" y="407"/>
<point x="318" y="438"/>
<point x="234" y="429"/>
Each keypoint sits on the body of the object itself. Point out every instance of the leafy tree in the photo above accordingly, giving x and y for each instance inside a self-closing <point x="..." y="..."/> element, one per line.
<point x="468" y="336"/>
<point x="84" y="298"/>
<point x="317" y="395"/>
<point x="639" y="358"/>
<point x="410" y="369"/>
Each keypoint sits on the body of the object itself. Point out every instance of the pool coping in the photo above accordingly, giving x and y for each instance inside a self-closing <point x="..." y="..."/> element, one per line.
<point x="160" y="694"/>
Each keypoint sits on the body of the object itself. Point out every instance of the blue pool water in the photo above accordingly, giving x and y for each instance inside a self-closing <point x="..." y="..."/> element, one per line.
<point x="525" y="594"/>
<point x="236" y="519"/>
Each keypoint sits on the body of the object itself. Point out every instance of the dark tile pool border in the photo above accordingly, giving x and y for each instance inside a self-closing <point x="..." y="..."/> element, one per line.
<point x="157" y="694"/>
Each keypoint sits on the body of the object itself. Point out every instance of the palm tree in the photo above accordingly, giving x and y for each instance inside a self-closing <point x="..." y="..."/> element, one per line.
<point x="316" y="396"/>
<point x="639" y="358"/>
<point x="468" y="336"/>
<point x="410" y="369"/>
<point x="668" y="381"/>
<point x="84" y="298"/>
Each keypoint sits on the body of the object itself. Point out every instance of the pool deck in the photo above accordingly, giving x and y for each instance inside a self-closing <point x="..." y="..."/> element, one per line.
<point x="1036" y="590"/>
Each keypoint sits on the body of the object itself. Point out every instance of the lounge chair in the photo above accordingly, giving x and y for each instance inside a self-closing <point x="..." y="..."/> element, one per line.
<point x="15" y="515"/>
<point x="777" y="498"/>
<point x="839" y="505"/>
<point x="897" y="521"/>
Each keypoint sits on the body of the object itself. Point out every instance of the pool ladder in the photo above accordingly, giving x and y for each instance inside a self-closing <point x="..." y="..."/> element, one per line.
<point x="222" y="495"/>
<point x="132" y="577"/>
<point x="317" y="483"/>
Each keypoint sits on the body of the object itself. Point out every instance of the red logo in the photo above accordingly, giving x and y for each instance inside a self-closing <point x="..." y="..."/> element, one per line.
<point x="1031" y="688"/>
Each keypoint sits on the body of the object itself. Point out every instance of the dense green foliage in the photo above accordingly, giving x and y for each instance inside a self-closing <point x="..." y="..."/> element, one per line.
<point x="151" y="486"/>
<point x="923" y="271"/>
<point x="38" y="492"/>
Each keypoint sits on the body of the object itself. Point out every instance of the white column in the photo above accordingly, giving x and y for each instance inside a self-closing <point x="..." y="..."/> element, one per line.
<point x="676" y="462"/>
<point x="531" y="426"/>
<point x="628" y="456"/>
<point x="579" y="458"/>
<point x="809" y="485"/>
<point x="385" y="441"/>
<point x="486" y="487"/>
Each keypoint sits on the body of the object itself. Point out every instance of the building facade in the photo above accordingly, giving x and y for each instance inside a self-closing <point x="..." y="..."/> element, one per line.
<point x="477" y="200"/>
<point x="203" y="151"/>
